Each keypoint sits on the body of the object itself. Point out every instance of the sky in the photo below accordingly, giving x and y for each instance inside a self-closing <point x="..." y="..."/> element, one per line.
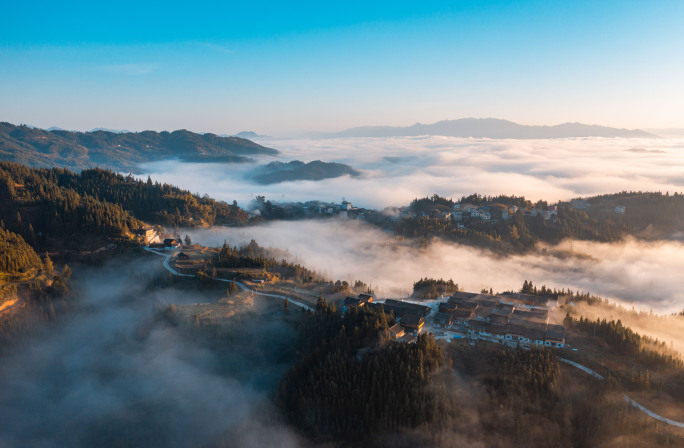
<point x="283" y="68"/>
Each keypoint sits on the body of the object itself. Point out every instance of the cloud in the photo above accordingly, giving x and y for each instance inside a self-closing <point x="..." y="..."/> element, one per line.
<point x="633" y="273"/>
<point x="216" y="47"/>
<point x="132" y="69"/>
<point x="397" y="170"/>
<point x="90" y="379"/>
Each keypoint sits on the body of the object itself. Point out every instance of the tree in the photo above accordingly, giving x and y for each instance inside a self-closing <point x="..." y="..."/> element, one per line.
<point x="47" y="264"/>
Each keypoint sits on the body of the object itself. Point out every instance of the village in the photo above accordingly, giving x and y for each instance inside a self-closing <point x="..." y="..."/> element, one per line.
<point x="508" y="318"/>
<point x="461" y="213"/>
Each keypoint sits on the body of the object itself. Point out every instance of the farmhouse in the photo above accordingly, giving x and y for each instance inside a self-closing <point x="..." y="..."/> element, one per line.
<point x="413" y="323"/>
<point x="396" y="331"/>
<point x="401" y="308"/>
<point x="460" y="296"/>
<point x="555" y="336"/>
<point x="366" y="298"/>
<point x="447" y="307"/>
<point x="171" y="242"/>
<point x="462" y="316"/>
<point x="444" y="320"/>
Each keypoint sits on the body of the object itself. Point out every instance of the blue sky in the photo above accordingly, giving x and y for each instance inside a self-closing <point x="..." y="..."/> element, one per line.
<point x="286" y="68"/>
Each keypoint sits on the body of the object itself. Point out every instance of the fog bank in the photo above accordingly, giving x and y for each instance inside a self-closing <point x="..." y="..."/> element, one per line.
<point x="107" y="375"/>
<point x="634" y="273"/>
<point x="396" y="170"/>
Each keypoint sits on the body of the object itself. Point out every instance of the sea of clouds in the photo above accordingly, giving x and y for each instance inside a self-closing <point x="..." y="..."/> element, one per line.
<point x="397" y="170"/>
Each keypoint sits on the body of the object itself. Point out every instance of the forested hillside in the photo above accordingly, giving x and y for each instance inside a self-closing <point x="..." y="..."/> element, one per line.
<point x="40" y="204"/>
<point x="16" y="257"/>
<point x="353" y="385"/>
<point x="645" y="215"/>
<point x="121" y="152"/>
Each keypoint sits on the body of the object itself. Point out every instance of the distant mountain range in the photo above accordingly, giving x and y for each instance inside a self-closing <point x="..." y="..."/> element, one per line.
<point x="119" y="151"/>
<point x="668" y="132"/>
<point x="249" y="134"/>
<point x="492" y="128"/>
<point x="276" y="172"/>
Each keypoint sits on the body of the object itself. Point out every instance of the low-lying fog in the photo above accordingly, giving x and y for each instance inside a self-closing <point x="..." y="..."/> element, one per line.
<point x="646" y="275"/>
<point x="88" y="380"/>
<point x="643" y="275"/>
<point x="396" y="170"/>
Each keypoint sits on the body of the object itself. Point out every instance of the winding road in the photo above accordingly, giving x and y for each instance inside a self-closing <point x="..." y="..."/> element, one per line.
<point x="168" y="267"/>
<point x="627" y="398"/>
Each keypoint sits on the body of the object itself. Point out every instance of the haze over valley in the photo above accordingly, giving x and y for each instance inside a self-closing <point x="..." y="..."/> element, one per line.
<point x="338" y="225"/>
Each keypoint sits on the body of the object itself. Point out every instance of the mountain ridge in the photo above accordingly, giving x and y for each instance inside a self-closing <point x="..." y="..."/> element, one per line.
<point x="492" y="128"/>
<point x="277" y="172"/>
<point x="119" y="151"/>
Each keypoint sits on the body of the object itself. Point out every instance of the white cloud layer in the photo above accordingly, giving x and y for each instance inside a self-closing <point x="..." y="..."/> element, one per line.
<point x="646" y="275"/>
<point x="396" y="170"/>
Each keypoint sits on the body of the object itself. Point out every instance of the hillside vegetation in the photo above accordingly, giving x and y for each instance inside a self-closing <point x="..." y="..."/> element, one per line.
<point x="119" y="151"/>
<point x="43" y="204"/>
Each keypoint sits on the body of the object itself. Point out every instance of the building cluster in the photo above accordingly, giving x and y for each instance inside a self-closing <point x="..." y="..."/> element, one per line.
<point x="488" y="213"/>
<point x="508" y="318"/>
<point x="504" y="318"/>
<point x="149" y="234"/>
<point x="411" y="317"/>
<point x="320" y="209"/>
<point x="551" y="214"/>
<point x="583" y="204"/>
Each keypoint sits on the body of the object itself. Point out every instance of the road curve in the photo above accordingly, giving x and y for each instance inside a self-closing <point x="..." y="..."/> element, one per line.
<point x="627" y="398"/>
<point x="168" y="267"/>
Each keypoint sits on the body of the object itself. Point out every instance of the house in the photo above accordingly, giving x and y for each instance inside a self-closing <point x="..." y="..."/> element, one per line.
<point x="498" y="212"/>
<point x="171" y="242"/>
<point x="536" y="336"/>
<point x="444" y="320"/>
<point x="620" y="209"/>
<point x="183" y="256"/>
<point x="504" y="309"/>
<point x="366" y="298"/>
<point x="401" y="308"/>
<point x="146" y="231"/>
<point x="447" y="307"/>
<point x="461" y="317"/>
<point x="411" y="322"/>
<point x="466" y="305"/>
<point x="457" y="215"/>
<point x="348" y="302"/>
<point x="479" y="328"/>
<point x="498" y="319"/>
<point x="580" y="204"/>
<point x="555" y="336"/>
<point x="396" y="331"/>
<point x="460" y="296"/>
<point x="518" y="334"/>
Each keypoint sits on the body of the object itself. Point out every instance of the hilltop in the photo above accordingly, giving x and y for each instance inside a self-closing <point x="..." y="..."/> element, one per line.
<point x="493" y="128"/>
<point x="276" y="172"/>
<point x="119" y="151"/>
